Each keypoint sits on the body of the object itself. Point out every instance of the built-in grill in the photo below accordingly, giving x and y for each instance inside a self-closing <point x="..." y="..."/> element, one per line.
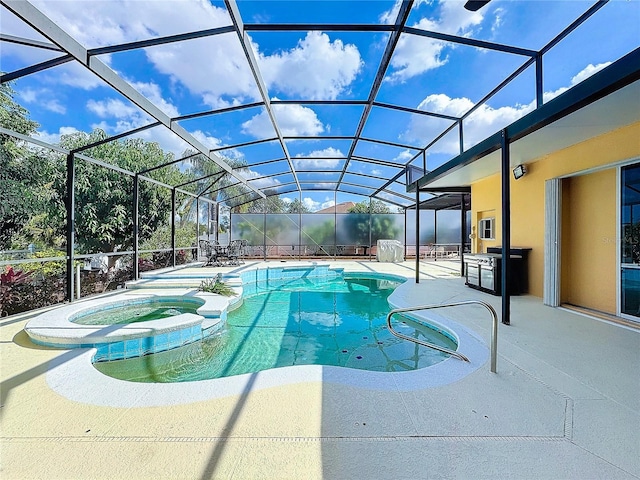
<point x="483" y="271"/>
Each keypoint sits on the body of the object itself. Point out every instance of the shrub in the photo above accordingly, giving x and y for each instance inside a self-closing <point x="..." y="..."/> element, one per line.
<point x="216" y="285"/>
<point x="19" y="291"/>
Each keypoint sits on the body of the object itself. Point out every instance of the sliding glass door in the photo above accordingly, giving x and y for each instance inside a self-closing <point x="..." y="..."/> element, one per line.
<point x="630" y="241"/>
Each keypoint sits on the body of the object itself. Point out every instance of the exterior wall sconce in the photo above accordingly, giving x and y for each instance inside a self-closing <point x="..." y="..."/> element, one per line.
<point x="520" y="171"/>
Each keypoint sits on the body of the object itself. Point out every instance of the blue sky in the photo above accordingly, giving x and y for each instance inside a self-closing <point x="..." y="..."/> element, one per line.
<point x="210" y="73"/>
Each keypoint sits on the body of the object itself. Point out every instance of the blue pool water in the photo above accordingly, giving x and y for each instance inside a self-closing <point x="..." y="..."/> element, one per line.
<point x="339" y="322"/>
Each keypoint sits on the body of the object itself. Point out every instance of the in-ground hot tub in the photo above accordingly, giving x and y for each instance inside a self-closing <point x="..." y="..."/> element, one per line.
<point x="143" y="310"/>
<point x="113" y="327"/>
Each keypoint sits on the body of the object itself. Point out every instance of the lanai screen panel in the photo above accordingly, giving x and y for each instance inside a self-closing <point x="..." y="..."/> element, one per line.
<point x="302" y="86"/>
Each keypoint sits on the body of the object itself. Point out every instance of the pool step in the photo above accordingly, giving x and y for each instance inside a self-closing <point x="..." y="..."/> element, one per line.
<point x="156" y="283"/>
<point x="179" y="282"/>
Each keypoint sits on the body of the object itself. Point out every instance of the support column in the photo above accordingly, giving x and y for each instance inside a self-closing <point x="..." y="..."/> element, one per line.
<point x="435" y="235"/>
<point x="539" y="83"/>
<point x="405" y="233"/>
<point x="506" y="229"/>
<point x="173" y="226"/>
<point x="463" y="233"/>
<point x="217" y="223"/>
<point x="197" y="228"/>
<point x="136" y="227"/>
<point x="370" y="246"/>
<point x="335" y="223"/>
<point x="71" y="223"/>
<point x="417" y="234"/>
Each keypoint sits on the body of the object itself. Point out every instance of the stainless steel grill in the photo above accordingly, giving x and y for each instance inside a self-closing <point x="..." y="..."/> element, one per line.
<point x="484" y="271"/>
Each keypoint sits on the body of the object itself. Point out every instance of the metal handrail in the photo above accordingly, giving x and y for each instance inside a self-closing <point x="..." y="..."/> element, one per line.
<point x="494" y="328"/>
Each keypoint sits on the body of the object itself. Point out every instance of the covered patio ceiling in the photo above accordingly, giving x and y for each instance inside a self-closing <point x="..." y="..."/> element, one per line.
<point x="311" y="96"/>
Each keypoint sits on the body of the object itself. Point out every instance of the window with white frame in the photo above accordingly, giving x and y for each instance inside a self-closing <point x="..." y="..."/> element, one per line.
<point x="486" y="228"/>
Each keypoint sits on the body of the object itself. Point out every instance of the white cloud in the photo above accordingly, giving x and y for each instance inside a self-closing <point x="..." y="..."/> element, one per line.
<point x="314" y="205"/>
<point x="54" y="106"/>
<point x="485" y="121"/>
<point x="389" y="17"/>
<point x="294" y="120"/>
<point x="587" y="72"/>
<point x="320" y="164"/>
<point x="259" y="126"/>
<point x="43" y="98"/>
<point x="223" y="79"/>
<point x="212" y="67"/>
<point x="324" y="186"/>
<point x="415" y="55"/>
<point x="120" y="21"/>
<point x="153" y="93"/>
<point x="29" y="95"/>
<point x="168" y="141"/>
<point x="327" y="203"/>
<point x="497" y="20"/>
<point x="74" y="75"/>
<point x="112" y="108"/>
<point x="116" y="108"/>
<point x="482" y="123"/>
<point x="54" y="138"/>
<point x="328" y="152"/>
<point x="316" y="68"/>
<point x="118" y="116"/>
<point x="579" y="77"/>
<point x="207" y="140"/>
<point x="324" y="159"/>
<point x="258" y="182"/>
<point x="403" y="157"/>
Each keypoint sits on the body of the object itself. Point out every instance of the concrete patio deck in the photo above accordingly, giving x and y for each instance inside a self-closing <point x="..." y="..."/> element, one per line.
<point x="564" y="404"/>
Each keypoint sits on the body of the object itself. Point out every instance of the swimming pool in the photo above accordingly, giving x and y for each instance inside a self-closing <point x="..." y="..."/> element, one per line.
<point x="299" y="321"/>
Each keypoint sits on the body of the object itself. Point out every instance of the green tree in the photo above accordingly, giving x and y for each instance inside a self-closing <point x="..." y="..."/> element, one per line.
<point x="272" y="204"/>
<point x="250" y="231"/>
<point x="321" y="235"/>
<point x="104" y="197"/>
<point x="377" y="206"/>
<point x="381" y="222"/>
<point x="216" y="183"/>
<point x="296" y="206"/>
<point x="27" y="180"/>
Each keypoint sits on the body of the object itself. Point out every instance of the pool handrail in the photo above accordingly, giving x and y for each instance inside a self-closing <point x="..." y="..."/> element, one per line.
<point x="494" y="328"/>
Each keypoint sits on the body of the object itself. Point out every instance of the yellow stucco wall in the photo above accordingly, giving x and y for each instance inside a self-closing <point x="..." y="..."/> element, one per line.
<point x="527" y="194"/>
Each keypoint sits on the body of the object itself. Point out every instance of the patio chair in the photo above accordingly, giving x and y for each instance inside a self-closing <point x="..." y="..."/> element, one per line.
<point x="235" y="252"/>
<point x="205" y="250"/>
<point x="220" y="253"/>
<point x="243" y="250"/>
<point x="213" y="251"/>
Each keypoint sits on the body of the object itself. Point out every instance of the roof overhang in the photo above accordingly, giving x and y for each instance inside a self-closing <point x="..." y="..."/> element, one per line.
<point x="446" y="201"/>
<point x="606" y="101"/>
